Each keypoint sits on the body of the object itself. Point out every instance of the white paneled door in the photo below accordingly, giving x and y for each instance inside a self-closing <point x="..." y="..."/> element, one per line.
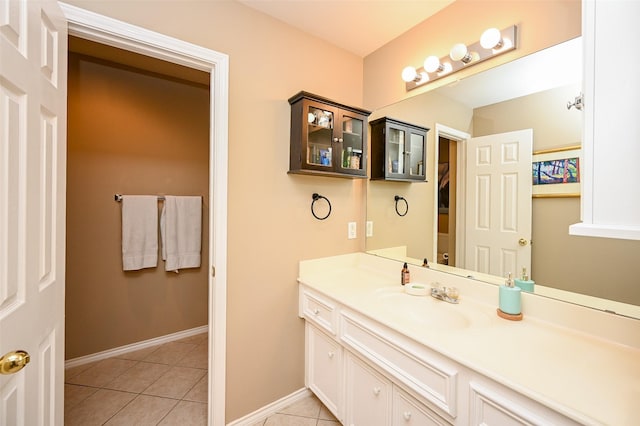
<point x="498" y="217"/>
<point x="33" y="79"/>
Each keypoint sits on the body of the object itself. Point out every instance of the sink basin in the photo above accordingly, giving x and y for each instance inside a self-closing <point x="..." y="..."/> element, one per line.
<point x="428" y="312"/>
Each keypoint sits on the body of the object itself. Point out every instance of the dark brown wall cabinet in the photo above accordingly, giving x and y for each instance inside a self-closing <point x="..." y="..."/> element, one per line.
<point x="398" y="150"/>
<point x="327" y="138"/>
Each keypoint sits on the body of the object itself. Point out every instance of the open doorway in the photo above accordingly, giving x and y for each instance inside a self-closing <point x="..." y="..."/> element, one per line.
<point x="447" y="169"/>
<point x="449" y="198"/>
<point x="136" y="125"/>
<point x="95" y="27"/>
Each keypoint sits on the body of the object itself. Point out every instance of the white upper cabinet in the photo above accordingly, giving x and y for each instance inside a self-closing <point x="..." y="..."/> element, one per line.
<point x="611" y="140"/>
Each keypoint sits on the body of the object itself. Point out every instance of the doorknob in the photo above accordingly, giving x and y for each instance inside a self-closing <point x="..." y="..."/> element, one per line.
<point x="12" y="362"/>
<point x="522" y="242"/>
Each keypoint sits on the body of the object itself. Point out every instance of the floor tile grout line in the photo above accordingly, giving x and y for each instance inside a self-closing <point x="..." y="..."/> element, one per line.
<point x="168" y="412"/>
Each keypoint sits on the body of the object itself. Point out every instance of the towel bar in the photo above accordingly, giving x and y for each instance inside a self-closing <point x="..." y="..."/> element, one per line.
<point x="118" y="197"/>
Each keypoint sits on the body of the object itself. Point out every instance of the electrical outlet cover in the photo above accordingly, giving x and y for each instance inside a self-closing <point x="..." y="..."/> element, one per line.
<point x="369" y="228"/>
<point x="351" y="234"/>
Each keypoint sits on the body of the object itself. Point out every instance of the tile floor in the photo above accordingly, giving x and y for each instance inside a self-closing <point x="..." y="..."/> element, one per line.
<point x="161" y="385"/>
<point x="306" y="412"/>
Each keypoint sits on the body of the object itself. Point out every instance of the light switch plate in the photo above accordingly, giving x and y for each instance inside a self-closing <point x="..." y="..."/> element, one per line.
<point x="369" y="228"/>
<point x="351" y="233"/>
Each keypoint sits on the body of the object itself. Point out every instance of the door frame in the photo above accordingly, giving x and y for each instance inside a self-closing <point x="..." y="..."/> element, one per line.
<point x="99" y="28"/>
<point x="460" y="138"/>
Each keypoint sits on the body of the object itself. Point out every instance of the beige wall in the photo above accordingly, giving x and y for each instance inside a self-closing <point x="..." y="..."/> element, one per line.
<point x="540" y="23"/>
<point x="129" y="133"/>
<point x="598" y="267"/>
<point x="270" y="224"/>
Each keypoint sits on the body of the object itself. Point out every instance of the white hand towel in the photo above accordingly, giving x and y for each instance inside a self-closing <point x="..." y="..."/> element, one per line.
<point x="139" y="232"/>
<point x="181" y="232"/>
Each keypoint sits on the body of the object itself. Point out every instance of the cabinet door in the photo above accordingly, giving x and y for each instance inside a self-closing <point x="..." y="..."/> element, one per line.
<point x="351" y="144"/>
<point x="319" y="133"/>
<point x="407" y="411"/>
<point x="368" y="395"/>
<point x="324" y="368"/>
<point x="396" y="146"/>
<point x="415" y="155"/>
<point x="610" y="149"/>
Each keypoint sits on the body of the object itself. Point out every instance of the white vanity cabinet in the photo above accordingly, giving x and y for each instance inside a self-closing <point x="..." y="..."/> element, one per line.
<point x="610" y="199"/>
<point x="367" y="374"/>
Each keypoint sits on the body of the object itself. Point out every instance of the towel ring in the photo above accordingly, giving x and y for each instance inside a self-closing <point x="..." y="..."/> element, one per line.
<point x="315" y="198"/>
<point x="406" y="204"/>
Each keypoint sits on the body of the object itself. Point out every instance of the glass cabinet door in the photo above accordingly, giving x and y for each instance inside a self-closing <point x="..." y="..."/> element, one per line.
<point x="415" y="155"/>
<point x="395" y="150"/>
<point x="320" y="124"/>
<point x="352" y="150"/>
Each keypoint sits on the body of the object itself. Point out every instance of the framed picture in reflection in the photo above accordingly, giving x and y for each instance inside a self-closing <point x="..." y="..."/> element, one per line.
<point x="556" y="172"/>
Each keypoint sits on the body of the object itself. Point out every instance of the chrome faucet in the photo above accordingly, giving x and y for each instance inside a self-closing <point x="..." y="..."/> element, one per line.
<point x="448" y="294"/>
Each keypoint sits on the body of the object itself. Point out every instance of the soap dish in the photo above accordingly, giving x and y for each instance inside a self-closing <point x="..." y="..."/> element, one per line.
<point x="416" y="289"/>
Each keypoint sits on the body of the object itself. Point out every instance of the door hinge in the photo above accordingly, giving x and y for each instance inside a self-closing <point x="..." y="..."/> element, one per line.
<point x="213" y="271"/>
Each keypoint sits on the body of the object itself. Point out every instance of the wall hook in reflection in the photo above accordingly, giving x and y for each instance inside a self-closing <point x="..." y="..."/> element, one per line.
<point x="406" y="204"/>
<point x="315" y="197"/>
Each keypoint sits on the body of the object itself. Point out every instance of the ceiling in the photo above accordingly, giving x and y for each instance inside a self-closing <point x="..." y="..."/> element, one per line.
<point x="359" y="26"/>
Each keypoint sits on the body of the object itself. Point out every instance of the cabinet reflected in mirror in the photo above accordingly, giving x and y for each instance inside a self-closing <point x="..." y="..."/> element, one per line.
<point x="602" y="273"/>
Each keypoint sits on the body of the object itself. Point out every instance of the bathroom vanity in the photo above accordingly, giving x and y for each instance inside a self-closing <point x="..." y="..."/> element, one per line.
<point x="376" y="355"/>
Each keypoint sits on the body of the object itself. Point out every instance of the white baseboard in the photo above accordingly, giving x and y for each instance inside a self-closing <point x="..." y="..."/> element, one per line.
<point x="134" y="347"/>
<point x="271" y="409"/>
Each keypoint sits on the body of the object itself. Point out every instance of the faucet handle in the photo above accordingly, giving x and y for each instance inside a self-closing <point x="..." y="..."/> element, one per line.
<point x="452" y="292"/>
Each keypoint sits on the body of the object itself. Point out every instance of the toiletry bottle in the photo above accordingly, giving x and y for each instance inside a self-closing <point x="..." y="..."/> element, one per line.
<point x="346" y="162"/>
<point x="524" y="282"/>
<point x="425" y="263"/>
<point x="405" y="275"/>
<point x="510" y="302"/>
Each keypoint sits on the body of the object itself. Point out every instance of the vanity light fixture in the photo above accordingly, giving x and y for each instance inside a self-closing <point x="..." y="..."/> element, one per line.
<point x="491" y="39"/>
<point x="493" y="42"/>
<point x="411" y="74"/>
<point x="459" y="52"/>
<point x="432" y="64"/>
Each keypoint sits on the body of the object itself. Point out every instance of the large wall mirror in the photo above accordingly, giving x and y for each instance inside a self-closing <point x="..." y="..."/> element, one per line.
<point x="529" y="93"/>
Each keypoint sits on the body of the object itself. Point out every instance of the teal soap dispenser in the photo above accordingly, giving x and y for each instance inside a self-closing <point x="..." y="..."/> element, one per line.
<point x="510" y="301"/>
<point x="524" y="282"/>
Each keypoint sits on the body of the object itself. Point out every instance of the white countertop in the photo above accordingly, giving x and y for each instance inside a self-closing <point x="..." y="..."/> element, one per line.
<point x="590" y="373"/>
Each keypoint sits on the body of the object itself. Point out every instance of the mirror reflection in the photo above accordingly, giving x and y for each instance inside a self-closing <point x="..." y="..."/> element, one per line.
<point x="528" y="93"/>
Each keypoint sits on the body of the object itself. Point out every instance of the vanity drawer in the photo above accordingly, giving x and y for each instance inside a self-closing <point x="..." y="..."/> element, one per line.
<point x="319" y="311"/>
<point x="428" y="376"/>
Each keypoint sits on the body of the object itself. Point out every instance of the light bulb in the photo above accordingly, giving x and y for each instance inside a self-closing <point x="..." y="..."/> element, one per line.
<point x="432" y="64"/>
<point x="458" y="52"/>
<point x="491" y="39"/>
<point x="409" y="74"/>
